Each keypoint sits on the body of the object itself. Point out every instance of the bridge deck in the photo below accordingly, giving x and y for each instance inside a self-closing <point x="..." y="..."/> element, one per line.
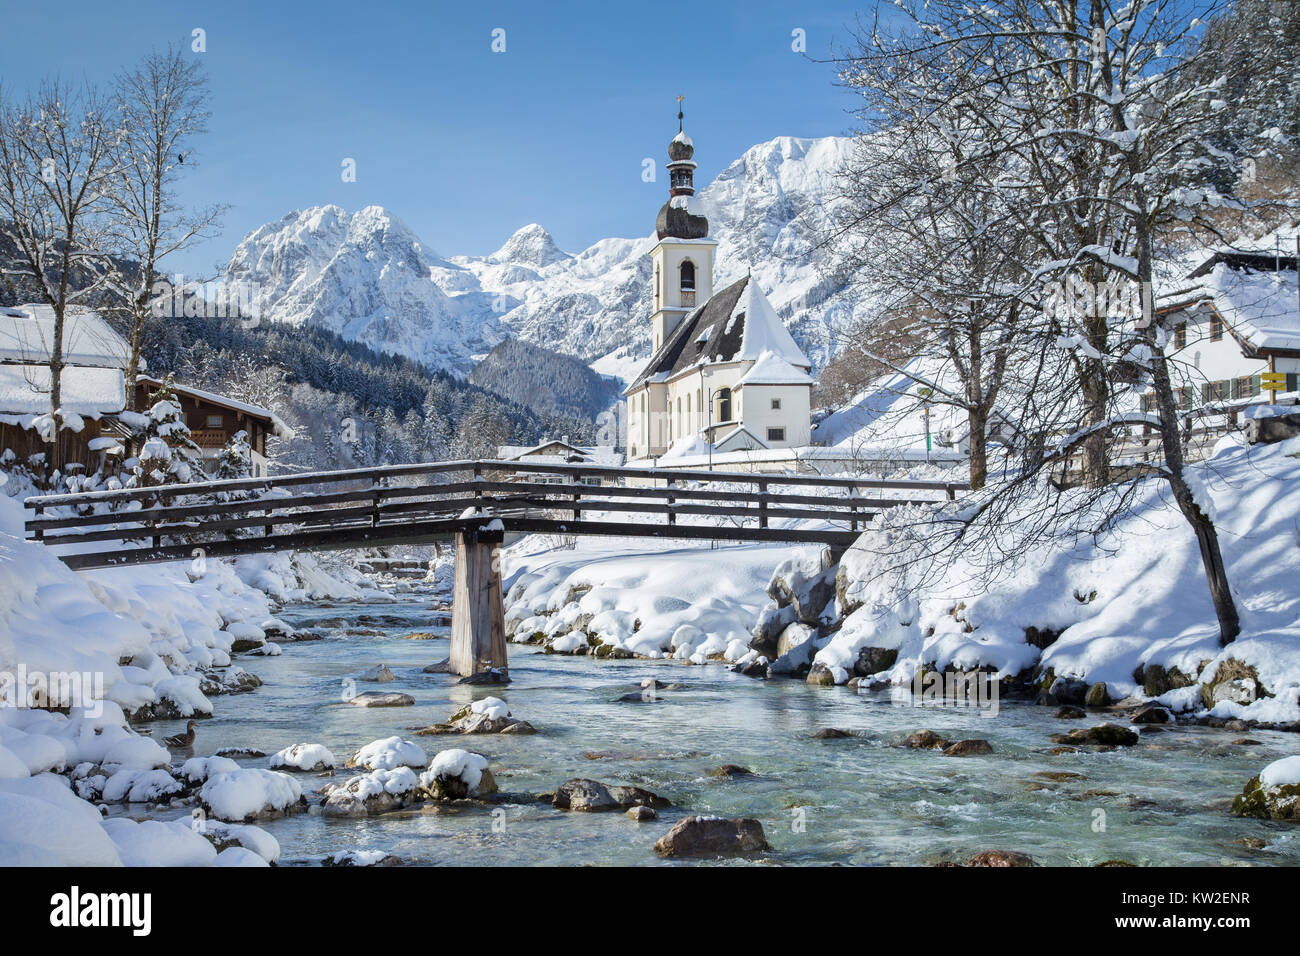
<point x="421" y="503"/>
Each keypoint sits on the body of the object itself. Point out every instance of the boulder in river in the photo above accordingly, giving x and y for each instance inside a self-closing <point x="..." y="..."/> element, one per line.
<point x="368" y="794"/>
<point x="1104" y="735"/>
<point x="642" y="814"/>
<point x="1274" y="794"/>
<point x="456" y="774"/>
<point x="771" y="623"/>
<point x="1098" y="696"/>
<point x="923" y="740"/>
<point x="1071" y="712"/>
<point x="831" y="733"/>
<point x="713" y="836"/>
<point x="731" y="770"/>
<point x="487" y="716"/>
<point x="1150" y="713"/>
<point x="591" y="796"/>
<point x="379" y="674"/>
<point x="1000" y="858"/>
<point x="308" y="758"/>
<point x="374" y="698"/>
<point x="968" y="748"/>
<point x="389" y="754"/>
<point x="245" y="795"/>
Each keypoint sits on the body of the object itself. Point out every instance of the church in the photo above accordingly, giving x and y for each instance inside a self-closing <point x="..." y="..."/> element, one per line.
<point x="723" y="372"/>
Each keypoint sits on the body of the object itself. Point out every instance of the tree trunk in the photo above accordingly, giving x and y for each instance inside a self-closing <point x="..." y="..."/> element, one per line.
<point x="977" y="421"/>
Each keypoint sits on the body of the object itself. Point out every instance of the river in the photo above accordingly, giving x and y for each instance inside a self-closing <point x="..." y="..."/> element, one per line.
<point x="857" y="800"/>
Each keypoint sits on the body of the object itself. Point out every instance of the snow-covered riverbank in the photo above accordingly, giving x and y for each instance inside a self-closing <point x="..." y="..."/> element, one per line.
<point x="1128" y="610"/>
<point x="104" y="646"/>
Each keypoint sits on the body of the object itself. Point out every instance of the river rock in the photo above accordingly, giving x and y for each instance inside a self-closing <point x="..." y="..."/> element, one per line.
<point x="591" y="796"/>
<point x="1106" y="735"/>
<point x="1068" y="690"/>
<point x="1274" y="794"/>
<point x="1098" y="696"/>
<point x="1000" y="858"/>
<point x="642" y="814"/>
<point x="873" y="660"/>
<point x="730" y="770"/>
<point x="819" y="675"/>
<point x="1151" y="713"/>
<point x="1070" y="712"/>
<point x="487" y="716"/>
<point x="389" y="753"/>
<point x="923" y="740"/>
<point x="442" y="667"/>
<point x="246" y="795"/>
<point x="379" y="674"/>
<point x="308" y="758"/>
<point x="757" y="668"/>
<point x="968" y="748"/>
<point x="771" y="622"/>
<point x="374" y="698"/>
<point x="362" y="858"/>
<point x="494" y="675"/>
<point x="831" y="733"/>
<point x="713" y="836"/>
<point x="379" y="791"/>
<point x="456" y="774"/>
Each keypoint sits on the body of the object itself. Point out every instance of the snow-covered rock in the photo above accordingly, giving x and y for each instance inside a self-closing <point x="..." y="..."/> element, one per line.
<point x="389" y="754"/>
<point x="457" y="773"/>
<point x="239" y="796"/>
<point x="378" y="791"/>
<point x="310" y="758"/>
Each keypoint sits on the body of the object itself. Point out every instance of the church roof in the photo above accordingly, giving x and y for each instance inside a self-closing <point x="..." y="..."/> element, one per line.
<point x="772" y="369"/>
<point x="737" y="325"/>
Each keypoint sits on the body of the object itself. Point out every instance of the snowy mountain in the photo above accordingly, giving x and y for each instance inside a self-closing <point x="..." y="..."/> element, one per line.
<point x="368" y="277"/>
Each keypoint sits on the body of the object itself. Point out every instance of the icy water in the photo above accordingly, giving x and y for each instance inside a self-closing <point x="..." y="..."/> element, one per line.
<point x="856" y="800"/>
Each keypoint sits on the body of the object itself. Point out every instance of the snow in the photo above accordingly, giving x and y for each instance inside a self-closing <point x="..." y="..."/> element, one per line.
<point x="493" y="708"/>
<point x="388" y="754"/>
<point x="303" y="757"/>
<point x="1281" y="773"/>
<point x="87" y="392"/>
<point x="1136" y="596"/>
<point x="1262" y="307"/>
<point x="764" y="330"/>
<point x="456" y="763"/>
<point x="237" y="795"/>
<point x="771" y="369"/>
<point x="154" y="843"/>
<point x="653" y="601"/>
<point x="27" y="334"/>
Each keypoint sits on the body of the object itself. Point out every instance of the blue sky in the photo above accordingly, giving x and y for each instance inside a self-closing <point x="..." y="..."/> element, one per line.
<point x="464" y="144"/>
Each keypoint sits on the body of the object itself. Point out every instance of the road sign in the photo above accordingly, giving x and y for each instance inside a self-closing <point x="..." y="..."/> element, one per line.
<point x="1272" y="381"/>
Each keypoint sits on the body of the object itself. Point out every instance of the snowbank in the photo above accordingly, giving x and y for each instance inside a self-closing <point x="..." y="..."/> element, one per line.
<point x="1103" y="611"/>
<point x="693" y="604"/>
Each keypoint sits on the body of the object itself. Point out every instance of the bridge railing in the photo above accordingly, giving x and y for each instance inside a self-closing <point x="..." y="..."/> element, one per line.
<point x="392" y="504"/>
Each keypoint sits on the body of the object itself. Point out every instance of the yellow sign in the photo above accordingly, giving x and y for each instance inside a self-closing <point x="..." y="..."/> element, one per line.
<point x="1271" y="381"/>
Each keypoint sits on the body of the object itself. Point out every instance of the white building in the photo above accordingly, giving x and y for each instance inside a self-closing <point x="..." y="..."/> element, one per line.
<point x="1235" y="316"/>
<point x="724" y="371"/>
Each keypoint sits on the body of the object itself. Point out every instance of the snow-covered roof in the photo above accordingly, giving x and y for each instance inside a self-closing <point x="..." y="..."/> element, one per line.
<point x="1260" y="307"/>
<point x="86" y="391"/>
<point x="27" y="334"/>
<point x="737" y="324"/>
<point x="278" y="425"/>
<point x="549" y="453"/>
<point x="772" y="369"/>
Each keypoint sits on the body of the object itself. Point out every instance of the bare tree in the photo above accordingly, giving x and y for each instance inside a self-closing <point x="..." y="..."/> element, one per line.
<point x="58" y="150"/>
<point x="1108" y="155"/>
<point x="163" y="102"/>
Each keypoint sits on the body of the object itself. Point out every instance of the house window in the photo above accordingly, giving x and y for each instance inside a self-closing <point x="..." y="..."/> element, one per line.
<point x="724" y="405"/>
<point x="1180" y="336"/>
<point x="214" y="421"/>
<point x="776" y="404"/>
<point x="1216" y="327"/>
<point x="1216" y="391"/>
<point x="776" y="434"/>
<point x="1148" y="403"/>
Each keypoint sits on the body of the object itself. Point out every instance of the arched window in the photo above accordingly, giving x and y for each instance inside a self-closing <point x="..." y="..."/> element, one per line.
<point x="687" y="284"/>
<point x="699" y="402"/>
<point x="724" y="405"/>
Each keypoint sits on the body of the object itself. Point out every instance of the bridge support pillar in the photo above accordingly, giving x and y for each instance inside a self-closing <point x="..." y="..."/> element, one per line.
<point x="478" y="628"/>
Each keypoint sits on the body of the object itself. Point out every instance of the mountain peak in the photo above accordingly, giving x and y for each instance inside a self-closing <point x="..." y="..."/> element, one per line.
<point x="531" y="245"/>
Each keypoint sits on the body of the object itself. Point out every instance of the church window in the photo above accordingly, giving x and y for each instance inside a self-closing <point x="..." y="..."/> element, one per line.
<point x="724" y="405"/>
<point x="776" y="434"/>
<point x="776" y="404"/>
<point x="687" y="284"/>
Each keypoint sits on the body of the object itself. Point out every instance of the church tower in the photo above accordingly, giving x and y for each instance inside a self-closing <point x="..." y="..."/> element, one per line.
<point x="683" y="257"/>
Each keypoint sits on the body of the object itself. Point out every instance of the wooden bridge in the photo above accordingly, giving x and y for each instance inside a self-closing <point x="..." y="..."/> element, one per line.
<point x="474" y="503"/>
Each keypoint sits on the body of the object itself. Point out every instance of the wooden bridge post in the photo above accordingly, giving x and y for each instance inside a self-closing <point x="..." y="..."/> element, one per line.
<point x="762" y="504"/>
<point x="478" y="630"/>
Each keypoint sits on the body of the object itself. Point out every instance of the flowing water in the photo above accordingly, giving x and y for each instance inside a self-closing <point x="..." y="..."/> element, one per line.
<point x="856" y="800"/>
